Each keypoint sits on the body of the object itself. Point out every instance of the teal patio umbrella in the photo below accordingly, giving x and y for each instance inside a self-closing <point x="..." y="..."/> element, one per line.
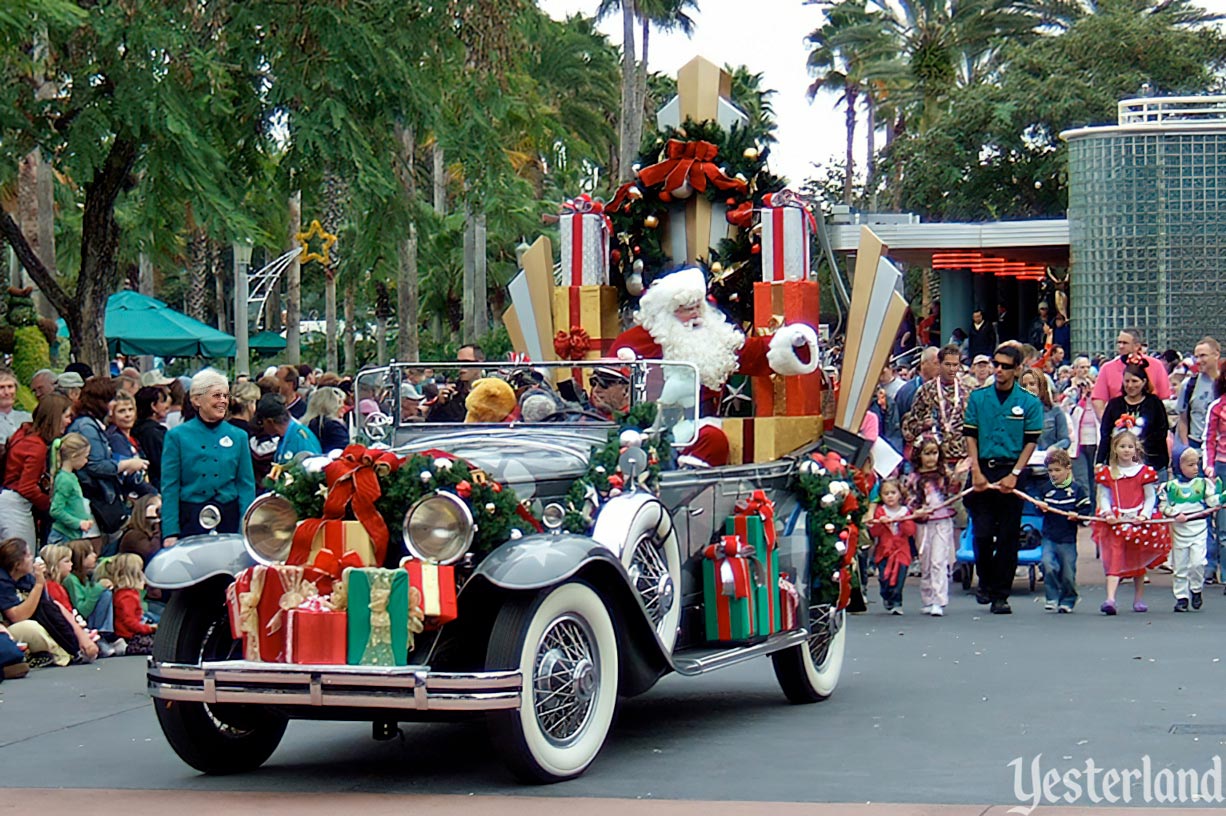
<point x="138" y="324"/>
<point x="267" y="342"/>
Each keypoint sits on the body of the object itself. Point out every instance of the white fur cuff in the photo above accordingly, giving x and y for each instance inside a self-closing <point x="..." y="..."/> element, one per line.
<point x="782" y="355"/>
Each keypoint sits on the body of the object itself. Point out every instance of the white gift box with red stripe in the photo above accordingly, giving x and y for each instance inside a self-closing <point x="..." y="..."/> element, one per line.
<point x="786" y="235"/>
<point x="585" y="249"/>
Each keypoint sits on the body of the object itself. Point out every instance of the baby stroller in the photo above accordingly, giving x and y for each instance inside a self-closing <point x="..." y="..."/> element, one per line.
<point x="1030" y="538"/>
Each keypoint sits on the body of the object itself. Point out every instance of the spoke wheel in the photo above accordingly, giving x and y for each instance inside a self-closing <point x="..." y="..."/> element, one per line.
<point x="564" y="642"/>
<point x="642" y="531"/>
<point x="220" y="739"/>
<point x="809" y="672"/>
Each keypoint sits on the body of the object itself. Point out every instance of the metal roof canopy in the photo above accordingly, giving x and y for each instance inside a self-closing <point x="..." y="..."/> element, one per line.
<point x="1044" y="241"/>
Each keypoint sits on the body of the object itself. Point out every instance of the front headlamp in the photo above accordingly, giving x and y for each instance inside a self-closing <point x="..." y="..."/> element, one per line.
<point x="268" y="528"/>
<point x="438" y="528"/>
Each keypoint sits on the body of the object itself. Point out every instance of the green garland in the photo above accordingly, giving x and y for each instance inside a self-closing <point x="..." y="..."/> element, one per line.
<point x="495" y="507"/>
<point x="826" y="490"/>
<point x="602" y="476"/>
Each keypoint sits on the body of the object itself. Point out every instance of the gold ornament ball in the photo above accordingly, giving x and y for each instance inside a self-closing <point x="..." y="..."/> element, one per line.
<point x="651" y="222"/>
<point x="751" y="153"/>
<point x="716" y="268"/>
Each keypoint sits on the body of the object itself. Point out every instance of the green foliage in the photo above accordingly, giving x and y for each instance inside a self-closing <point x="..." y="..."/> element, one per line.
<point x="603" y="476"/>
<point x="831" y="499"/>
<point x="32" y="353"/>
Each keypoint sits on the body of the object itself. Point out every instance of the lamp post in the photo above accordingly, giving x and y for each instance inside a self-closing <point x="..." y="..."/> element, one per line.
<point x="242" y="260"/>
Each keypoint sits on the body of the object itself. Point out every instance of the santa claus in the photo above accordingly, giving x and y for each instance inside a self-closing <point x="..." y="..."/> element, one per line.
<point x="676" y="322"/>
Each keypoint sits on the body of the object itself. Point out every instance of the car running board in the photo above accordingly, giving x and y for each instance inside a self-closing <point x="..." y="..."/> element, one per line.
<point x="701" y="661"/>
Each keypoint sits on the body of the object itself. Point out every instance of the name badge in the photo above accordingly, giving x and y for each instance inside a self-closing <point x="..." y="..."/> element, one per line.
<point x="1017" y="410"/>
<point x="225" y="442"/>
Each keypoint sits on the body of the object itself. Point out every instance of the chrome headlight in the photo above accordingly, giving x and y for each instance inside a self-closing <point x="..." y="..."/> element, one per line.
<point x="268" y="528"/>
<point x="438" y="528"/>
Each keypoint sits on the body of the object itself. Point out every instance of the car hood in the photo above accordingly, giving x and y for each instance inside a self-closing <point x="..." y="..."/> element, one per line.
<point x="536" y="462"/>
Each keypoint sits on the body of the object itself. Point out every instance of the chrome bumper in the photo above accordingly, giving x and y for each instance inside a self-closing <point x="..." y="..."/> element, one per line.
<point x="378" y="687"/>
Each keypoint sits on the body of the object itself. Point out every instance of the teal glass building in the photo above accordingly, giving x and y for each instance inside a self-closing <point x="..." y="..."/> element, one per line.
<point x="1147" y="224"/>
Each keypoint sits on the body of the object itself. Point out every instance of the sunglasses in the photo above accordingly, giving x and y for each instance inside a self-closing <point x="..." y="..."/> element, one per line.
<point x="1003" y="366"/>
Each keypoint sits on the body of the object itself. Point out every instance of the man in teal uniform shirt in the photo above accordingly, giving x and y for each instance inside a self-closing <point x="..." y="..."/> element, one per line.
<point x="1002" y="427"/>
<point x="275" y="420"/>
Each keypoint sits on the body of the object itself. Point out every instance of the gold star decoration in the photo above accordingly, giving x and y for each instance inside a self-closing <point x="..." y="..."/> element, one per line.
<point x="327" y="240"/>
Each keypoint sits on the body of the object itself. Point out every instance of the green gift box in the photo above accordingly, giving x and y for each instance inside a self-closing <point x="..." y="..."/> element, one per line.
<point x="728" y="619"/>
<point x="378" y="605"/>
<point x="751" y="528"/>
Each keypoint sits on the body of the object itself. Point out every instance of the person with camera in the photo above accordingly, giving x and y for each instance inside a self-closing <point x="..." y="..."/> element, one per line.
<point x="448" y="404"/>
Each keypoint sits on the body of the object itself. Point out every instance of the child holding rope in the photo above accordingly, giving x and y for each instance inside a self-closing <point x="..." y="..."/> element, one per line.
<point x="1127" y="500"/>
<point x="892" y="529"/>
<point x="1188" y="499"/>
<point x="1061" y="501"/>
<point x="931" y="486"/>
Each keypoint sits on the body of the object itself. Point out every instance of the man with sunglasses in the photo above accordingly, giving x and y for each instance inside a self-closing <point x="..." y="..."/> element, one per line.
<point x="1002" y="426"/>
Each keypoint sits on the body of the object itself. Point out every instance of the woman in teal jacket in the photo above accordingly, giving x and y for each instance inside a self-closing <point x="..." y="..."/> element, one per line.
<point x="205" y="462"/>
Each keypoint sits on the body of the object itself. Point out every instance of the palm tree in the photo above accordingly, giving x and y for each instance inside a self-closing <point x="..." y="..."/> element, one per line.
<point x="838" y="67"/>
<point x="748" y="95"/>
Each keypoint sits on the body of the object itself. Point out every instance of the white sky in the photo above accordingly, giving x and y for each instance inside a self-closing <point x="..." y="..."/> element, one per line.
<point x="769" y="37"/>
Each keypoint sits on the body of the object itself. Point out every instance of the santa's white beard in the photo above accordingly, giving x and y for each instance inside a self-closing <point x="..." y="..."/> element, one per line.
<point x="711" y="343"/>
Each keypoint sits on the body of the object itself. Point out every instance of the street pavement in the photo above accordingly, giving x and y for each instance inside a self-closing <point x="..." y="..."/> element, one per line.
<point x="929" y="713"/>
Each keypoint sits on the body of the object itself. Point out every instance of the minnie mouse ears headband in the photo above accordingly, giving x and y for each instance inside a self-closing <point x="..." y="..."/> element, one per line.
<point x="1127" y="424"/>
<point x="1138" y="360"/>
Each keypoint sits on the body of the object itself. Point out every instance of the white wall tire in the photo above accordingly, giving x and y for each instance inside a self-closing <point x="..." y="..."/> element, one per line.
<point x="564" y="642"/>
<point x="640" y="529"/>
<point x="809" y="678"/>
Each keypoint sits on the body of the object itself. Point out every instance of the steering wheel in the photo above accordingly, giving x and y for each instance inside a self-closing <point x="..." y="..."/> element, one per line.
<point x="561" y="414"/>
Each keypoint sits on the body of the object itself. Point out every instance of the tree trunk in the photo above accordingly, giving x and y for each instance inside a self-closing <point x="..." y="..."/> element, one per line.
<point x="293" y="285"/>
<point x="467" y="320"/>
<point x="351" y="361"/>
<point x="45" y="90"/>
<point x="381" y="340"/>
<point x="36" y="205"/>
<point x="407" y="283"/>
<point x="628" y="144"/>
<point x="640" y="91"/>
<point x="198" y="273"/>
<point x="849" y="177"/>
<point x="272" y="309"/>
<point x="144" y="285"/>
<point x="331" y="359"/>
<point x="481" y="322"/>
<point x="439" y="178"/>
<point x="219" y="287"/>
<point x="870" y="166"/>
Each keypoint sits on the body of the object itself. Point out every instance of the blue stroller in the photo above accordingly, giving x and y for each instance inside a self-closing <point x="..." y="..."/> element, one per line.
<point x="1030" y="543"/>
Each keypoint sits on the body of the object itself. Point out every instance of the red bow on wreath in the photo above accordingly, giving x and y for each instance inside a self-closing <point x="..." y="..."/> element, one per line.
<point x="353" y="483"/>
<point x="741" y="215"/>
<point x="689" y="161"/>
<point x="572" y="346"/>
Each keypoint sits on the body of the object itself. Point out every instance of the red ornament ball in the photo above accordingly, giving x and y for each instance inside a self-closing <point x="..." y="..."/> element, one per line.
<point x="616" y="256"/>
<point x="756" y="249"/>
<point x="464" y="489"/>
<point x="666" y="196"/>
<point x="731" y="202"/>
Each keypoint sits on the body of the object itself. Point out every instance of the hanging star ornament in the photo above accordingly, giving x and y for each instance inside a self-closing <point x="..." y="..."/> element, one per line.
<point x="327" y="239"/>
<point x="734" y="396"/>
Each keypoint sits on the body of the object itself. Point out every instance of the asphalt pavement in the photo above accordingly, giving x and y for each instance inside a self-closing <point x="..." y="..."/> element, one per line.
<point x="929" y="711"/>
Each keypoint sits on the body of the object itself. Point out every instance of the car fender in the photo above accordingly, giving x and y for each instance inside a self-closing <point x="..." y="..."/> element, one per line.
<point x="539" y="561"/>
<point x="195" y="559"/>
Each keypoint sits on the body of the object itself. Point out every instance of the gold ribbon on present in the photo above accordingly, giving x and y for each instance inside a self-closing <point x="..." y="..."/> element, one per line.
<point x="417" y="616"/>
<point x="294" y="590"/>
<point x="249" y="614"/>
<point x="378" y="650"/>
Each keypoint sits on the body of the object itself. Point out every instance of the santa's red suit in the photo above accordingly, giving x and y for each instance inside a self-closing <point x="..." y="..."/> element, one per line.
<point x="716" y="347"/>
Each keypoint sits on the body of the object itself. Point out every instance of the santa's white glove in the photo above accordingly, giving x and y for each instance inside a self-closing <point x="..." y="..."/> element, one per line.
<point x="782" y="352"/>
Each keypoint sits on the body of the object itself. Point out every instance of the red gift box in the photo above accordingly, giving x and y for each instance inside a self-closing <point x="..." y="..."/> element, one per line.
<point x="243" y="600"/>
<point x="285" y="588"/>
<point x="436" y="583"/>
<point x="317" y="636"/>
<point x="776" y="305"/>
<point x="232" y="608"/>
<point x="789" y="603"/>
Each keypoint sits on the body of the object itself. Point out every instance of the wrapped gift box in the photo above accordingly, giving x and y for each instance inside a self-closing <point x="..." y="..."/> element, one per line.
<point x="436" y="583"/>
<point x="756" y="525"/>
<point x="789" y="604"/>
<point x="285" y="588"/>
<point x="775" y="305"/>
<point x="378" y="619"/>
<point x="786" y="241"/>
<point x="242" y="604"/>
<point x="341" y="537"/>
<point x="316" y="635"/>
<point x="727" y="591"/>
<point x="765" y="439"/>
<point x="585" y="310"/>
<point x="585" y="248"/>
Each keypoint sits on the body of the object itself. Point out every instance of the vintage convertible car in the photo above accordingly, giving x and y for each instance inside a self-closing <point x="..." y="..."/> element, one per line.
<point x="551" y="627"/>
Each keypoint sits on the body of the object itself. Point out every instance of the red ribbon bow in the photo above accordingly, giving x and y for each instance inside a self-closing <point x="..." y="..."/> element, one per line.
<point x="572" y="346"/>
<point x="353" y="483"/>
<point x="787" y="198"/>
<point x="757" y="504"/>
<point x="586" y="205"/>
<point x="731" y="556"/>
<point x="692" y="162"/>
<point x="741" y="215"/>
<point x="327" y="569"/>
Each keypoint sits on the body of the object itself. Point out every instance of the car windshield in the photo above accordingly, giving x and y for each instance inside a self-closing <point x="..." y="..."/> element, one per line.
<point x="393" y="402"/>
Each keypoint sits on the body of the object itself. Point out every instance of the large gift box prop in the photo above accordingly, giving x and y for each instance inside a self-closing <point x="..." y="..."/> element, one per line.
<point x="727" y="584"/>
<point x="259" y="601"/>
<point x="775" y="305"/>
<point x="586" y="321"/>
<point x="765" y="439"/>
<point x="754" y="523"/>
<point x="316" y="634"/>
<point x="353" y="486"/>
<point x="585" y="231"/>
<point x="436" y="584"/>
<point x="383" y="615"/>
<point x="787" y="230"/>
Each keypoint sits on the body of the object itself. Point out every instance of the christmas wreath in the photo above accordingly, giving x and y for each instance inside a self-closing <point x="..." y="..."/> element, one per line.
<point x="835" y="498"/>
<point x="603" y="478"/>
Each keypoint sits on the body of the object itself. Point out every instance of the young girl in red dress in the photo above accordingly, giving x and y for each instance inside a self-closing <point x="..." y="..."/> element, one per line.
<point x="129" y="578"/>
<point x="892" y="555"/>
<point x="1127" y="491"/>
